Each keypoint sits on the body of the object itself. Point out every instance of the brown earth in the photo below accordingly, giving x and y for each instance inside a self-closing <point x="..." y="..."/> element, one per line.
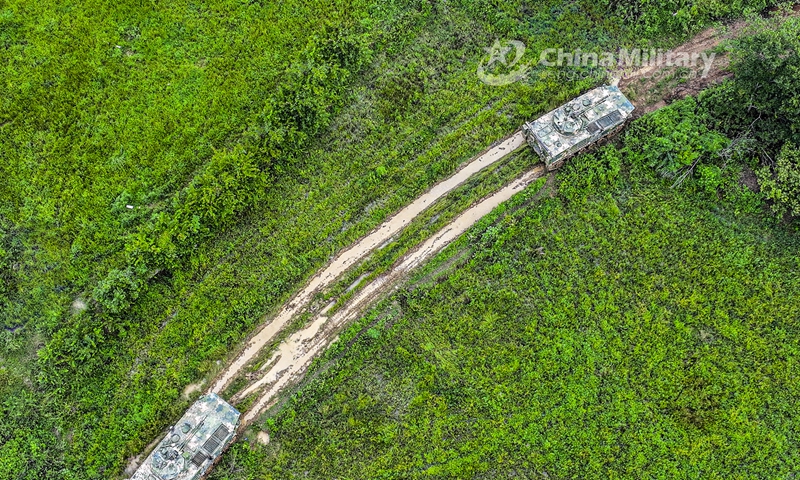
<point x="651" y="88"/>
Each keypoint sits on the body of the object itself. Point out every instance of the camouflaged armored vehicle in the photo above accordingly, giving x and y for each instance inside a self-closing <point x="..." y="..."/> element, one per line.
<point x="194" y="443"/>
<point x="573" y="126"/>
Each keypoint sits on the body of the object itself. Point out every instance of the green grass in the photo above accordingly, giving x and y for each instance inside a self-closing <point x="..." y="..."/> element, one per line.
<point x="622" y="329"/>
<point x="87" y="128"/>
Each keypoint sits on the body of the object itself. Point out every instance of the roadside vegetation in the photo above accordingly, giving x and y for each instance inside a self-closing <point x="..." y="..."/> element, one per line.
<point x="623" y="330"/>
<point x="637" y="319"/>
<point x="170" y="175"/>
<point x="760" y="110"/>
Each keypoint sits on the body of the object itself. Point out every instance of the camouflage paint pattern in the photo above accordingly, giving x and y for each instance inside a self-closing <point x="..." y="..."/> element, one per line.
<point x="193" y="444"/>
<point x="577" y="124"/>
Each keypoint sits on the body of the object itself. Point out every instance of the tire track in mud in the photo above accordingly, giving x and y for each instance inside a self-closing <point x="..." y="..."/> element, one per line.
<point x="357" y="252"/>
<point x="295" y="354"/>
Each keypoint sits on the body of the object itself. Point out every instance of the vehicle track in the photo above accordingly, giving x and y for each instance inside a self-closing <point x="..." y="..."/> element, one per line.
<point x="295" y="354"/>
<point x="378" y="237"/>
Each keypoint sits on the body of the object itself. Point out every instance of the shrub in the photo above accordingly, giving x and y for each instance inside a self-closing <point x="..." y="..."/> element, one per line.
<point x="767" y="67"/>
<point x="680" y="17"/>
<point x="118" y="289"/>
<point x="762" y="100"/>
<point x="588" y="174"/>
<point x="674" y="139"/>
<point x="709" y="177"/>
<point x="781" y="185"/>
<point x="9" y="250"/>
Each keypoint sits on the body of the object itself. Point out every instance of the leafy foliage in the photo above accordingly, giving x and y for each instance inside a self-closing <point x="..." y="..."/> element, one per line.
<point x="783" y="185"/>
<point x="674" y="138"/>
<point x="116" y="292"/>
<point x="649" y="16"/>
<point x="642" y="332"/>
<point x="767" y="67"/>
<point x="595" y="172"/>
<point x="10" y="249"/>
<point x="760" y="106"/>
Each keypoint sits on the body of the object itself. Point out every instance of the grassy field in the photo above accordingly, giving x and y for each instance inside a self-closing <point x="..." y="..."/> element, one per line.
<point x="253" y="140"/>
<point x="607" y="327"/>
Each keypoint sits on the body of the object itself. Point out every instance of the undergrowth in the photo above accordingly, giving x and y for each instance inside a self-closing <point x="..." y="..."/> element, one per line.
<point x="171" y="173"/>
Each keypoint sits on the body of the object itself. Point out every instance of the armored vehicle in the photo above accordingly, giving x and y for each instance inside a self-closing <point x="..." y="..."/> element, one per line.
<point x="194" y="443"/>
<point x="577" y="124"/>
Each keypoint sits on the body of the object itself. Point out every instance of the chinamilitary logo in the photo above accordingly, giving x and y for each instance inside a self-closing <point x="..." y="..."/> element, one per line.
<point x="499" y="70"/>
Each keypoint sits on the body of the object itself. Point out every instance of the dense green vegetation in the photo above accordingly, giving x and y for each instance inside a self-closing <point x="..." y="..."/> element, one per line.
<point x="620" y="329"/>
<point x="761" y="108"/>
<point x="783" y="185"/>
<point x="676" y="17"/>
<point x="252" y="140"/>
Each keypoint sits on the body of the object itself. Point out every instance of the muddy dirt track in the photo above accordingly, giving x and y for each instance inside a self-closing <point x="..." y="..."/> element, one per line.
<point x="295" y="354"/>
<point x="359" y="251"/>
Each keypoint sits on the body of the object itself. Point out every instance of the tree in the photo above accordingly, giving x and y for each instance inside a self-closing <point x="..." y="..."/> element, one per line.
<point x="766" y="65"/>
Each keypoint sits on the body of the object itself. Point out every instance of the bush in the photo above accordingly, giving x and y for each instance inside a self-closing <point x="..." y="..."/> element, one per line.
<point x="116" y="292"/>
<point x="591" y="173"/>
<point x="9" y="250"/>
<point x="681" y="17"/>
<point x="709" y="177"/>
<point x="674" y="139"/>
<point x="781" y="185"/>
<point x="767" y="67"/>
<point x="763" y="99"/>
<point x="761" y="106"/>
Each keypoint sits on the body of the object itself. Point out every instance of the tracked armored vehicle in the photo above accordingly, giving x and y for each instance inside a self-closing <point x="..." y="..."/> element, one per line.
<point x="193" y="444"/>
<point x="570" y="128"/>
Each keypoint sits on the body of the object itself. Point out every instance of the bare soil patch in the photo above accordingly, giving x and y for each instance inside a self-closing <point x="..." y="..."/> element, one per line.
<point x="749" y="179"/>
<point x="654" y="87"/>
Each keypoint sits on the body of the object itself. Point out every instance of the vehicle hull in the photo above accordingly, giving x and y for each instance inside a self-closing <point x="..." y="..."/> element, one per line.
<point x="571" y="128"/>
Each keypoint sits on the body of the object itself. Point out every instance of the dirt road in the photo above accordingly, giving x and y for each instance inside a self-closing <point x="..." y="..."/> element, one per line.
<point x="357" y="252"/>
<point x="654" y="87"/>
<point x="295" y="354"/>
